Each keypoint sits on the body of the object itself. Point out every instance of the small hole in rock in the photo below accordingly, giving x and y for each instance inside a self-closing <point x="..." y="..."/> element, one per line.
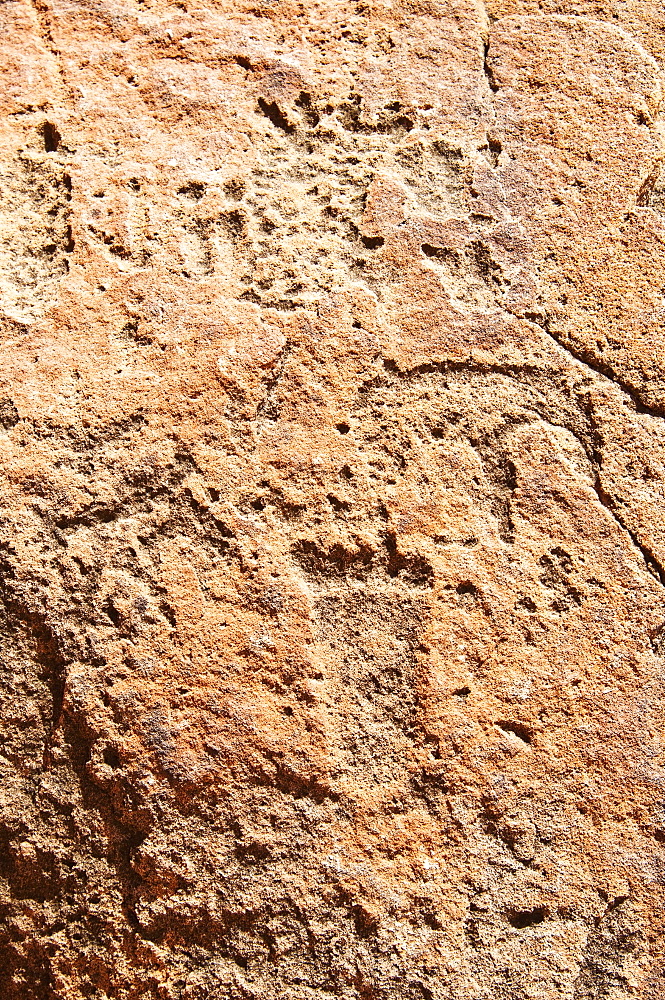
<point x="466" y="592"/>
<point x="112" y="613"/>
<point x="373" y="242"/>
<point x="439" y="253"/>
<point x="343" y="427"/>
<point x="337" y="504"/>
<point x="276" y="116"/>
<point x="51" y="137"/>
<point x="517" y="729"/>
<point x="527" y="918"/>
<point x="194" y="190"/>
<point x="111" y="757"/>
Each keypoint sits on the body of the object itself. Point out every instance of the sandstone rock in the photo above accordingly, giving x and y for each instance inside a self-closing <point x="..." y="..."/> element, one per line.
<point x="332" y="558"/>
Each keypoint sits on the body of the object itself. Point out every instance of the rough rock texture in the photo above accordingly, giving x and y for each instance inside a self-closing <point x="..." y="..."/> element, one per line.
<point x="332" y="549"/>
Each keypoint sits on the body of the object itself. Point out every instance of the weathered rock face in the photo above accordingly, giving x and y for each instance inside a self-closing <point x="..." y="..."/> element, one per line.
<point x="332" y="548"/>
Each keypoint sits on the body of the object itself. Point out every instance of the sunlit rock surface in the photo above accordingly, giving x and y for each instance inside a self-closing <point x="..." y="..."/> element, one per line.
<point x="332" y="544"/>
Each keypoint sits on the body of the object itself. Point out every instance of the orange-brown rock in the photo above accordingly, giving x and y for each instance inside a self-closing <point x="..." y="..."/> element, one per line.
<point x="332" y="549"/>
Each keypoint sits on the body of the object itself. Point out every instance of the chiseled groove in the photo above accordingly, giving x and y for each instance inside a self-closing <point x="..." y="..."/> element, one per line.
<point x="653" y="564"/>
<point x="603" y="371"/>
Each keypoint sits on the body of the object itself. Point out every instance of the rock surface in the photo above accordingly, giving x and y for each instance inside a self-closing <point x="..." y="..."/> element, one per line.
<point x="332" y="547"/>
